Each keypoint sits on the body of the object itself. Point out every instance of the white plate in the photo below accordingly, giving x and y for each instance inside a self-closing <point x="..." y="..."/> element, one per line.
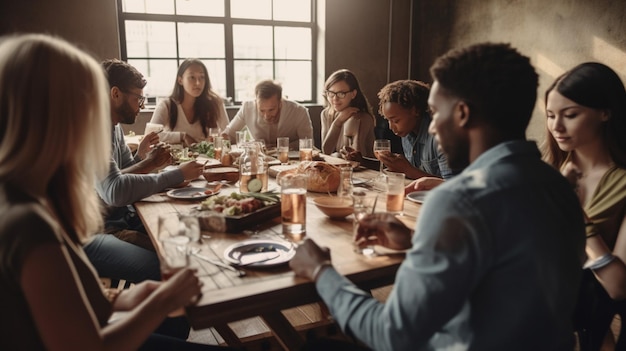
<point x="417" y="196"/>
<point x="285" y="251"/>
<point x="190" y="193"/>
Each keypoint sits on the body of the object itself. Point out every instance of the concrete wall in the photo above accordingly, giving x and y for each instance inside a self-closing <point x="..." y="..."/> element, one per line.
<point x="556" y="35"/>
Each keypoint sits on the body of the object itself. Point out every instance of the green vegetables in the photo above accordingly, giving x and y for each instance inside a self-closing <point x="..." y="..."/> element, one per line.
<point x="203" y="148"/>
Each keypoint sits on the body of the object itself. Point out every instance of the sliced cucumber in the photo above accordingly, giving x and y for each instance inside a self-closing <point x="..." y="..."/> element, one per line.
<point x="255" y="185"/>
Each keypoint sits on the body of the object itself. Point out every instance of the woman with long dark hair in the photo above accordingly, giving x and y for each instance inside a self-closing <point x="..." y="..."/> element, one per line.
<point x="586" y="122"/>
<point x="192" y="108"/>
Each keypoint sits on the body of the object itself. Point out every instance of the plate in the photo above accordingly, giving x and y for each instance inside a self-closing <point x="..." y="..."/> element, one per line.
<point x="190" y="193"/>
<point x="236" y="224"/>
<point x="282" y="251"/>
<point x="417" y="196"/>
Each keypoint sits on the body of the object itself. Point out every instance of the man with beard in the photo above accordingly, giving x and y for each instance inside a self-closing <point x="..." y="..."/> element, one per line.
<point x="128" y="181"/>
<point x="494" y="261"/>
<point x="270" y="116"/>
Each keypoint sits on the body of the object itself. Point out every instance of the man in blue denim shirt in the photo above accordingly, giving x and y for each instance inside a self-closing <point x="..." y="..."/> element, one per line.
<point x="404" y="105"/>
<point x="494" y="263"/>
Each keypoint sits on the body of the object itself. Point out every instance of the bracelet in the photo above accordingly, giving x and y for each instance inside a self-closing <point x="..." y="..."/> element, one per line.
<point x="318" y="269"/>
<point x="599" y="262"/>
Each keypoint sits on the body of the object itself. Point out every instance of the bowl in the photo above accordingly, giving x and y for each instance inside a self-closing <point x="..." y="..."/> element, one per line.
<point x="334" y="207"/>
<point x="229" y="174"/>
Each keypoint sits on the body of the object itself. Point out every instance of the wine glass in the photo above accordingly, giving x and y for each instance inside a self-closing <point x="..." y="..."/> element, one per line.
<point x="381" y="146"/>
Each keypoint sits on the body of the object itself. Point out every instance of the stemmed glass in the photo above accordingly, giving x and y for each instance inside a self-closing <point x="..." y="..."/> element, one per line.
<point x="381" y="146"/>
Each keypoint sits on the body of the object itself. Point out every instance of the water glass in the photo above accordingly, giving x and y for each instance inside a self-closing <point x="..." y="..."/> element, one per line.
<point x="240" y="138"/>
<point x="306" y="149"/>
<point x="152" y="127"/>
<point x="213" y="133"/>
<point x="395" y="192"/>
<point x="282" y="145"/>
<point x="174" y="239"/>
<point x="364" y="203"/>
<point x="345" y="182"/>
<point x="293" y="206"/>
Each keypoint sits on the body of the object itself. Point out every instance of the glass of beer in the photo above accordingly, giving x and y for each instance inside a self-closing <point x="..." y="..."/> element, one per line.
<point x="293" y="206"/>
<point x="217" y="145"/>
<point x="395" y="192"/>
<point x="306" y="149"/>
<point x="282" y="145"/>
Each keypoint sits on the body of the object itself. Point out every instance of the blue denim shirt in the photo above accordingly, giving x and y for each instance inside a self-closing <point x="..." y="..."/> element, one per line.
<point x="495" y="264"/>
<point x="422" y="152"/>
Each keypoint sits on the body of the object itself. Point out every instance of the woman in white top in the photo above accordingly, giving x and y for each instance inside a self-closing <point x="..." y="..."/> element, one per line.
<point x="193" y="107"/>
<point x="347" y="121"/>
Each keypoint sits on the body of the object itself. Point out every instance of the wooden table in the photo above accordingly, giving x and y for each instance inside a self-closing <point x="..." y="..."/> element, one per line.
<point x="265" y="292"/>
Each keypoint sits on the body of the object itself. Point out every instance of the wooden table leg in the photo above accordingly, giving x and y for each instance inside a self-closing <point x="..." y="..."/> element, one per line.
<point x="229" y="336"/>
<point x="284" y="332"/>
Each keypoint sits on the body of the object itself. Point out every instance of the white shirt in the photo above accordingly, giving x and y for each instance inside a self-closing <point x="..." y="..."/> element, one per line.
<point x="294" y="122"/>
<point x="161" y="115"/>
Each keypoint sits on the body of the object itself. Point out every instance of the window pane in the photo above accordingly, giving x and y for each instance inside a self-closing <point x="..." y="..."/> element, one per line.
<point x="200" y="7"/>
<point x="252" y="41"/>
<point x="217" y="75"/>
<point x="149" y="6"/>
<point x="292" y="43"/>
<point x="257" y="9"/>
<point x="201" y="40"/>
<point x="292" y="10"/>
<point x="247" y="75"/>
<point x="160" y="74"/>
<point x="295" y="77"/>
<point x="150" y="39"/>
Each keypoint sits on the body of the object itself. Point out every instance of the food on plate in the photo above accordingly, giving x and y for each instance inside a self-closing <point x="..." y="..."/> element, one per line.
<point x="203" y="148"/>
<point x="239" y="204"/>
<point x="322" y="176"/>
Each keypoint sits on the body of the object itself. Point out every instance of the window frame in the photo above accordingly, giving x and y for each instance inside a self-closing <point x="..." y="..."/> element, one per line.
<point x="228" y="23"/>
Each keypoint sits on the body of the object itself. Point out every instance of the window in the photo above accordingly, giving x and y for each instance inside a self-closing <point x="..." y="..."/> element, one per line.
<point x="240" y="41"/>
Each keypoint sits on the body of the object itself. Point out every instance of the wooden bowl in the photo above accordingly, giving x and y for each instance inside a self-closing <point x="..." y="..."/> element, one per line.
<point x="334" y="207"/>
<point x="230" y="174"/>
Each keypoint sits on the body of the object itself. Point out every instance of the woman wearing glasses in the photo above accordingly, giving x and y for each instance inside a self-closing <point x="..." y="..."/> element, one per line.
<point x="347" y="120"/>
<point x="193" y="107"/>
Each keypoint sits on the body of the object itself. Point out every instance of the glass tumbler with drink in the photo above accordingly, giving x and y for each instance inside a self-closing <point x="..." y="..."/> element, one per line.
<point x="381" y="146"/>
<point x="395" y="192"/>
<point x="282" y="145"/>
<point x="364" y="203"/>
<point x="293" y="206"/>
<point x="306" y="149"/>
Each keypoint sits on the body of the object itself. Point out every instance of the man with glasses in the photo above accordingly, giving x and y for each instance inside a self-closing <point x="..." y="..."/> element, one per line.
<point x="270" y="116"/>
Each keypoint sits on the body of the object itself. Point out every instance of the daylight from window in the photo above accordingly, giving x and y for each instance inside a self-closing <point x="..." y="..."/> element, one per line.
<point x="271" y="39"/>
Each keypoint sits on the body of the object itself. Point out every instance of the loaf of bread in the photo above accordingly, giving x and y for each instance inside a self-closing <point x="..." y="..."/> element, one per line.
<point x="322" y="177"/>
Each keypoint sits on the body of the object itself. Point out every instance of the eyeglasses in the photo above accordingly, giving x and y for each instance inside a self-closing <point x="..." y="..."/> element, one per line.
<point x="331" y="94"/>
<point x="140" y="98"/>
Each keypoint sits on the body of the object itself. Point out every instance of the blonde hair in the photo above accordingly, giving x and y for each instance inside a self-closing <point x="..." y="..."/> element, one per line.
<point x="54" y="125"/>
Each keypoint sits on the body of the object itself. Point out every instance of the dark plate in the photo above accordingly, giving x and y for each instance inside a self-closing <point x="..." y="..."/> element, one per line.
<point x="284" y="250"/>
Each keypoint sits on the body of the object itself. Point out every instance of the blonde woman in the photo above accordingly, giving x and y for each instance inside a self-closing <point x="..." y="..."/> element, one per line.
<point x="54" y="138"/>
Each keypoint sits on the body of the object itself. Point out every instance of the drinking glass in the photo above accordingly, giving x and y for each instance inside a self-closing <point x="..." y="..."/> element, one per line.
<point x="381" y="146"/>
<point x="240" y="138"/>
<point x="306" y="149"/>
<point x="152" y="127"/>
<point x="282" y="145"/>
<point x="172" y="234"/>
<point x="395" y="192"/>
<point x="213" y="132"/>
<point x="364" y="203"/>
<point x="293" y="206"/>
<point x="350" y="130"/>
<point x="217" y="146"/>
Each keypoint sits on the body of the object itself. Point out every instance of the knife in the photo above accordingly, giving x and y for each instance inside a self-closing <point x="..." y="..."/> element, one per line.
<point x="219" y="263"/>
<point x="249" y="258"/>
